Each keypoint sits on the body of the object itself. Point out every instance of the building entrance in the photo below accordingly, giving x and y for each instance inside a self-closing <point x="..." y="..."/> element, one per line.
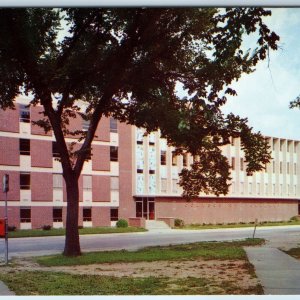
<point x="145" y="208"/>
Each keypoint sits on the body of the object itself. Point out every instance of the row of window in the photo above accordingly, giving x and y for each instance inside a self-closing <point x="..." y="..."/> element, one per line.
<point x="57" y="216"/>
<point x="288" y="166"/>
<point x="266" y="187"/>
<point x="25" y="183"/>
<point x="24" y="147"/>
<point x="163" y="158"/>
<point x="25" y="118"/>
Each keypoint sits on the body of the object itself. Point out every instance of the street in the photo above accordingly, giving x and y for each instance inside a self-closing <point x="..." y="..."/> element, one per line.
<point x="280" y="236"/>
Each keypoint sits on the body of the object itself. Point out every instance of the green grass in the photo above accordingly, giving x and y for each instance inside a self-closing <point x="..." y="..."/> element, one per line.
<point x="237" y="225"/>
<point x="61" y="231"/>
<point x="295" y="252"/>
<point x="51" y="283"/>
<point x="206" y="250"/>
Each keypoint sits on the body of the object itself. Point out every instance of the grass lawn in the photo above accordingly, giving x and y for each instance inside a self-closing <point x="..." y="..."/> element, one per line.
<point x="205" y="250"/>
<point x="51" y="283"/>
<point x="238" y="225"/>
<point x="62" y="231"/>
<point x="295" y="252"/>
<point x="47" y="281"/>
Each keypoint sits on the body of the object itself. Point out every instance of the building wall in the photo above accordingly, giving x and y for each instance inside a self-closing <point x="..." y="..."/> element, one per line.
<point x="216" y="210"/>
<point x="42" y="196"/>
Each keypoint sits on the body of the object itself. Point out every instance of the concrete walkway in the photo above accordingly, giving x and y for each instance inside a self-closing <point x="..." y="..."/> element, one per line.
<point x="278" y="272"/>
<point x="5" y="291"/>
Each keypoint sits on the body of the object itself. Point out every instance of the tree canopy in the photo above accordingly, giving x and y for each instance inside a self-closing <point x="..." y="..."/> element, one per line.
<point x="128" y="63"/>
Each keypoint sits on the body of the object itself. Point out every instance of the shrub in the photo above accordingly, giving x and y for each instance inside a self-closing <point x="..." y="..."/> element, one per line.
<point x="122" y="223"/>
<point x="46" y="227"/>
<point x="295" y="218"/>
<point x="80" y="226"/>
<point x="178" y="223"/>
<point x="12" y="228"/>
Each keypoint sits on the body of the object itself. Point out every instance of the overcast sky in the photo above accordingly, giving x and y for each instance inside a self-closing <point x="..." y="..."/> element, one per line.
<point x="264" y="95"/>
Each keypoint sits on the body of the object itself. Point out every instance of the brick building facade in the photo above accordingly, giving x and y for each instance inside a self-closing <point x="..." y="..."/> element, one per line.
<point x="133" y="175"/>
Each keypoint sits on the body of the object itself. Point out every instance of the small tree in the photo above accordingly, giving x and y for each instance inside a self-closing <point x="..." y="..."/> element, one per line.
<point x="127" y="63"/>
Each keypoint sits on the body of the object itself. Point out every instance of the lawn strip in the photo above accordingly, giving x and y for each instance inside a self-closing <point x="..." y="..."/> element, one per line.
<point x="52" y="283"/>
<point x="239" y="225"/>
<point x="205" y="250"/>
<point x="295" y="252"/>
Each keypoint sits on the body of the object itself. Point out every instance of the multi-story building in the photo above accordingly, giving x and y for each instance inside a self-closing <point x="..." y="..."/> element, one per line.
<point x="133" y="175"/>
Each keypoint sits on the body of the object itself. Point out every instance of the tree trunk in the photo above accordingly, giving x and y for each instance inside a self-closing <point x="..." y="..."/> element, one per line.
<point x="72" y="245"/>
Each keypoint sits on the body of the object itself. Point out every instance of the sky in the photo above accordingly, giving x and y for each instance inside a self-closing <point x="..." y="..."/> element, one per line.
<point x="264" y="96"/>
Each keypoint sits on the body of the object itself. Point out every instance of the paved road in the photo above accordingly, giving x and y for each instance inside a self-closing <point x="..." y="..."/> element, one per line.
<point x="285" y="236"/>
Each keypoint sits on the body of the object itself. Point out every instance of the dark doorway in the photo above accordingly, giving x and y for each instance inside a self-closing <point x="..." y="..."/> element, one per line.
<point x="145" y="208"/>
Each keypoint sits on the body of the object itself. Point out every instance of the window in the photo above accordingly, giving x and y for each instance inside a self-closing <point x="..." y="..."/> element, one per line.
<point x="266" y="189"/>
<point x="25" y="215"/>
<point x="85" y="124"/>
<point x="232" y="141"/>
<point x="140" y="171"/>
<point x="87" y="215"/>
<point x="24" y="113"/>
<point x="114" y="183"/>
<point x="250" y="188"/>
<point x="295" y="190"/>
<point x="163" y="158"/>
<point x="295" y="169"/>
<point x="25" y="181"/>
<point x="184" y="159"/>
<point x="274" y="144"/>
<point x="274" y="167"/>
<point x="273" y="189"/>
<point x="233" y="187"/>
<point x="258" y="189"/>
<point x="174" y="159"/>
<point x="163" y="185"/>
<point x="242" y="187"/>
<point x="87" y="182"/>
<point x="174" y="186"/>
<point x="55" y="152"/>
<point x="288" y="189"/>
<point x="113" y="123"/>
<point x="295" y="147"/>
<point x="233" y="163"/>
<point x="152" y="172"/>
<point x="113" y="153"/>
<point x="288" y="168"/>
<point x="280" y="189"/>
<point x="281" y="145"/>
<point x="24" y="146"/>
<point x="57" y="181"/>
<point x="242" y="164"/>
<point x="114" y="214"/>
<point x="57" y="215"/>
<point x="280" y="167"/>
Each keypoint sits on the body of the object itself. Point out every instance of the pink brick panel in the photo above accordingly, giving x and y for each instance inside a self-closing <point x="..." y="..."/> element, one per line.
<point x="101" y="188"/>
<point x="14" y="186"/>
<point x="137" y="222"/>
<point x="74" y="125"/>
<point x="9" y="120"/>
<point x="127" y="204"/>
<point x="36" y="115"/>
<point x="41" y="186"/>
<point x="101" y="216"/>
<point x="13" y="215"/>
<point x="9" y="151"/>
<point x="41" y="215"/>
<point x="103" y="130"/>
<point x="225" y="210"/>
<point x="41" y="153"/>
<point x="101" y="158"/>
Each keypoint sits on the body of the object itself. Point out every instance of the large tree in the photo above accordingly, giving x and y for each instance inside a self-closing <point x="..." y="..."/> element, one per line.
<point x="128" y="63"/>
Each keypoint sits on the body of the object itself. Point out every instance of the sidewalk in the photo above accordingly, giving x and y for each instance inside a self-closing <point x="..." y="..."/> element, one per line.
<point x="278" y="272"/>
<point x="4" y="290"/>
